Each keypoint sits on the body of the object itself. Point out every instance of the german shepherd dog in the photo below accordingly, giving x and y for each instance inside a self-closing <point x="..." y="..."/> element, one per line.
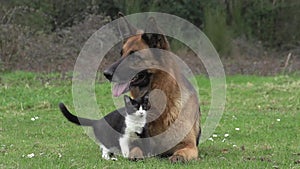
<point x="181" y="98"/>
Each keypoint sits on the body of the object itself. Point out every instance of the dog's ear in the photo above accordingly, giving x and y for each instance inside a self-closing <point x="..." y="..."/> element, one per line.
<point x="157" y="39"/>
<point x="125" y="28"/>
<point x="120" y="14"/>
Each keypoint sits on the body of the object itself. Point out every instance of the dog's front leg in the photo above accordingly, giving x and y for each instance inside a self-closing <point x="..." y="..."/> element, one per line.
<point x="186" y="150"/>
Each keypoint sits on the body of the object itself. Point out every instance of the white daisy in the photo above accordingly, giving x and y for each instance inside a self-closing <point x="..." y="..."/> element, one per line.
<point x="30" y="155"/>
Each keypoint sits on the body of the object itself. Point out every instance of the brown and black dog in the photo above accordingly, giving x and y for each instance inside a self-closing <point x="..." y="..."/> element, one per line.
<point x="180" y="95"/>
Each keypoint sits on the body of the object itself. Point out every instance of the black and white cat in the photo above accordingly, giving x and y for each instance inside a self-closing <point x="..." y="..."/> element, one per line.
<point x="119" y="130"/>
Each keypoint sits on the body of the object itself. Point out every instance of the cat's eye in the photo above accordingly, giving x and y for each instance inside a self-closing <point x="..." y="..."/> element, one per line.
<point x="136" y="105"/>
<point x="146" y="106"/>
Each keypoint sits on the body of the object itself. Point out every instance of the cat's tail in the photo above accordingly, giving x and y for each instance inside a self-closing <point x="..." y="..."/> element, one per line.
<point x="75" y="119"/>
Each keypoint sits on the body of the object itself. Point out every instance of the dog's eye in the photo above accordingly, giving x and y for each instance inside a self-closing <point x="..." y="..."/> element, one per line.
<point x="141" y="76"/>
<point x="134" y="78"/>
<point x="131" y="52"/>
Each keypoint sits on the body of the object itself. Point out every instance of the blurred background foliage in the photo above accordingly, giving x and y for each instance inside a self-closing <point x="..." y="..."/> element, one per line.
<point x="273" y="23"/>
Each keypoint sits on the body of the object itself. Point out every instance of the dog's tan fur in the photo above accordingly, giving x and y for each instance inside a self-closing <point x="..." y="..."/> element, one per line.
<point x="173" y="87"/>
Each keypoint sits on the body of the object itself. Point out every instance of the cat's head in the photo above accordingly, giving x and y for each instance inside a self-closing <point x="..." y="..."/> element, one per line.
<point x="137" y="106"/>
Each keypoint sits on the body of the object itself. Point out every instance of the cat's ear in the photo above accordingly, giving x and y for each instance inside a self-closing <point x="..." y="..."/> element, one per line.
<point x="127" y="100"/>
<point x="146" y="101"/>
<point x="145" y="98"/>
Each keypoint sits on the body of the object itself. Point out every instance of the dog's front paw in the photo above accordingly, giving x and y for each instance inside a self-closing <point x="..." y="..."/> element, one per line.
<point x="136" y="154"/>
<point x="177" y="159"/>
<point x="184" y="155"/>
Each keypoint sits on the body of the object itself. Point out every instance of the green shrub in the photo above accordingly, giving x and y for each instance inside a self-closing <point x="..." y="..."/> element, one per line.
<point x="217" y="31"/>
<point x="275" y="23"/>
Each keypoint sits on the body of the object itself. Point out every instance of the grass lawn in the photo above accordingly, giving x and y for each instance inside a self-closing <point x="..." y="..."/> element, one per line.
<point x="265" y="109"/>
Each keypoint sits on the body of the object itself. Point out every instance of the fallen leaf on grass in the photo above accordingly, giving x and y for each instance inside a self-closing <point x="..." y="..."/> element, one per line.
<point x="266" y="147"/>
<point x="249" y="158"/>
<point x="266" y="159"/>
<point x="243" y="148"/>
<point x="297" y="162"/>
<point x="225" y="151"/>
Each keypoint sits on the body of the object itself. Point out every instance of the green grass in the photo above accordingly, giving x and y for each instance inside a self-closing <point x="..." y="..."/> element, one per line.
<point x="253" y="104"/>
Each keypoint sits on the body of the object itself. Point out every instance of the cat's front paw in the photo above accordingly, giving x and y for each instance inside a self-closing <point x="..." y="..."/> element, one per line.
<point x="136" y="154"/>
<point x="114" y="159"/>
<point x="106" y="156"/>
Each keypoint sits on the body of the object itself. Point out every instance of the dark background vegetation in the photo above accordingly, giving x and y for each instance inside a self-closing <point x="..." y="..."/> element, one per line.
<point x="252" y="36"/>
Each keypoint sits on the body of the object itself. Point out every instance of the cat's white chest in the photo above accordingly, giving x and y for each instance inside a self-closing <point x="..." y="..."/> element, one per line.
<point x="134" y="125"/>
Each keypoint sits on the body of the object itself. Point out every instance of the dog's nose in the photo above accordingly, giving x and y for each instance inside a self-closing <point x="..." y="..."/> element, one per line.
<point x="108" y="73"/>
